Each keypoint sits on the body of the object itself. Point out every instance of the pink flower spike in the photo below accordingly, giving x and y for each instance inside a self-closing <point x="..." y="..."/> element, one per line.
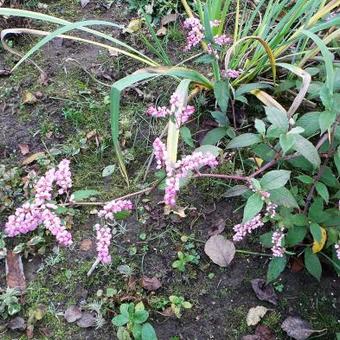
<point x="222" y="40"/>
<point x="114" y="207"/>
<point x="159" y="112"/>
<point x="277" y="238"/>
<point x="241" y="230"/>
<point x="337" y="250"/>
<point x="160" y="153"/>
<point x="43" y="187"/>
<point x="195" y="34"/>
<point x="232" y="74"/>
<point x="63" y="176"/>
<point x="103" y="243"/>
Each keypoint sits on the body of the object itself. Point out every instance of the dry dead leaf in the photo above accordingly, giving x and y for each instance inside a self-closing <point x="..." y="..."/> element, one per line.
<point x="33" y="158"/>
<point x="264" y="292"/>
<point x="5" y="73"/>
<point x="72" y="314"/>
<point x="297" y="264"/>
<point x="220" y="250"/>
<point x="28" y="98"/>
<point x="24" y="149"/>
<point x="134" y="26"/>
<point x="217" y="227"/>
<point x="179" y="211"/>
<point x="264" y="333"/>
<point x="297" y="328"/>
<point x="168" y="312"/>
<point x="161" y="32"/>
<point x="17" y="323"/>
<point x="87" y="320"/>
<point x="151" y="283"/>
<point x="167" y="19"/>
<point x="255" y="315"/>
<point x="84" y="3"/>
<point x="15" y="276"/>
<point x="86" y="245"/>
<point x="43" y="79"/>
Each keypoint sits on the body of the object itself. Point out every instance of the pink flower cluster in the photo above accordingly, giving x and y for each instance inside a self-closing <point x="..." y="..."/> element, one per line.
<point x="32" y="214"/>
<point x="63" y="176"/>
<point x="222" y="40"/>
<point x="103" y="232"/>
<point x="53" y="223"/>
<point x="181" y="114"/>
<point x="277" y="238"/>
<point x="337" y="250"/>
<point x="180" y="170"/>
<point x="232" y="74"/>
<point x="103" y="243"/>
<point x="242" y="229"/>
<point x="195" y="34"/>
<point x="114" y="207"/>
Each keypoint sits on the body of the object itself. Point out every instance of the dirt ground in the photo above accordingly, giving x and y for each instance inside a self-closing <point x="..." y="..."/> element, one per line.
<point x="221" y="297"/>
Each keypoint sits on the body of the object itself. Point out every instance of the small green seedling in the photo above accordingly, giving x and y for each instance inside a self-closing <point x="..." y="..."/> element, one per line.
<point x="183" y="260"/>
<point x="132" y="322"/>
<point x="9" y="302"/>
<point x="178" y="303"/>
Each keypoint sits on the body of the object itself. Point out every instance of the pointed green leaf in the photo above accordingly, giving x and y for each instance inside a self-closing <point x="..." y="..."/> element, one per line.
<point x="313" y="264"/>
<point x="322" y="191"/>
<point x="307" y="150"/>
<point x="275" y="179"/>
<point x="244" y="140"/>
<point x="275" y="268"/>
<point x="253" y="206"/>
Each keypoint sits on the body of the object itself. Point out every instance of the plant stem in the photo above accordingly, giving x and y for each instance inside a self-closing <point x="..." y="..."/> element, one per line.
<point x="252" y="253"/>
<point x="232" y="177"/>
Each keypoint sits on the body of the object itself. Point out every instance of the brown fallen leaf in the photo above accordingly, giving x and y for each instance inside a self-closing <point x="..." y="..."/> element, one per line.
<point x="17" y="324"/>
<point x="220" y="250"/>
<point x="151" y="283"/>
<point x="28" y="98"/>
<point x="297" y="328"/>
<point x="134" y="26"/>
<point x="33" y="158"/>
<point x="255" y="315"/>
<point x="72" y="314"/>
<point x="167" y="19"/>
<point x="43" y="79"/>
<point x="217" y="227"/>
<point x="297" y="264"/>
<point x="168" y="312"/>
<point x="24" y="149"/>
<point x="5" y="73"/>
<point x="161" y="32"/>
<point x="86" y="245"/>
<point x="15" y="276"/>
<point x="264" y="333"/>
<point x="87" y="320"/>
<point x="84" y="3"/>
<point x="263" y="291"/>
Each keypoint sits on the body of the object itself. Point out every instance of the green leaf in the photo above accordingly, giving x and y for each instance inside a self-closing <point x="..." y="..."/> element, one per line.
<point x="214" y="136"/>
<point x="305" y="179"/>
<point x="296" y="130"/>
<point x="277" y="117"/>
<point x="221" y="94"/>
<point x="307" y="150"/>
<point x="327" y="98"/>
<point x="286" y="142"/>
<point x="204" y="59"/>
<point x="253" y="206"/>
<point x="315" y="230"/>
<point x="220" y="117"/>
<point x="124" y="309"/>
<point x="275" y="268"/>
<point x="337" y="160"/>
<point x="295" y="235"/>
<point x="313" y="264"/>
<point x="120" y="320"/>
<point x="13" y="308"/>
<point x="310" y="123"/>
<point x="284" y="197"/>
<point x="186" y="136"/>
<point x="275" y="179"/>
<point x="214" y="150"/>
<point x="326" y="119"/>
<point x="244" y="140"/>
<point x="266" y="239"/>
<point x="322" y="191"/>
<point x="236" y="190"/>
<point x="260" y="126"/>
<point x="81" y="195"/>
<point x="109" y="170"/>
<point x="148" y="332"/>
<point x="123" y="334"/>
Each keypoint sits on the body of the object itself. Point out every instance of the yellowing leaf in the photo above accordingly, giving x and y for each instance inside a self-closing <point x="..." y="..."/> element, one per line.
<point x="28" y="98"/>
<point x="134" y="26"/>
<point x="317" y="246"/>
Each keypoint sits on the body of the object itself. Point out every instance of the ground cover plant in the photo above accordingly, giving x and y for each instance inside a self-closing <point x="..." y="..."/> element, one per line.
<point x="251" y="105"/>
